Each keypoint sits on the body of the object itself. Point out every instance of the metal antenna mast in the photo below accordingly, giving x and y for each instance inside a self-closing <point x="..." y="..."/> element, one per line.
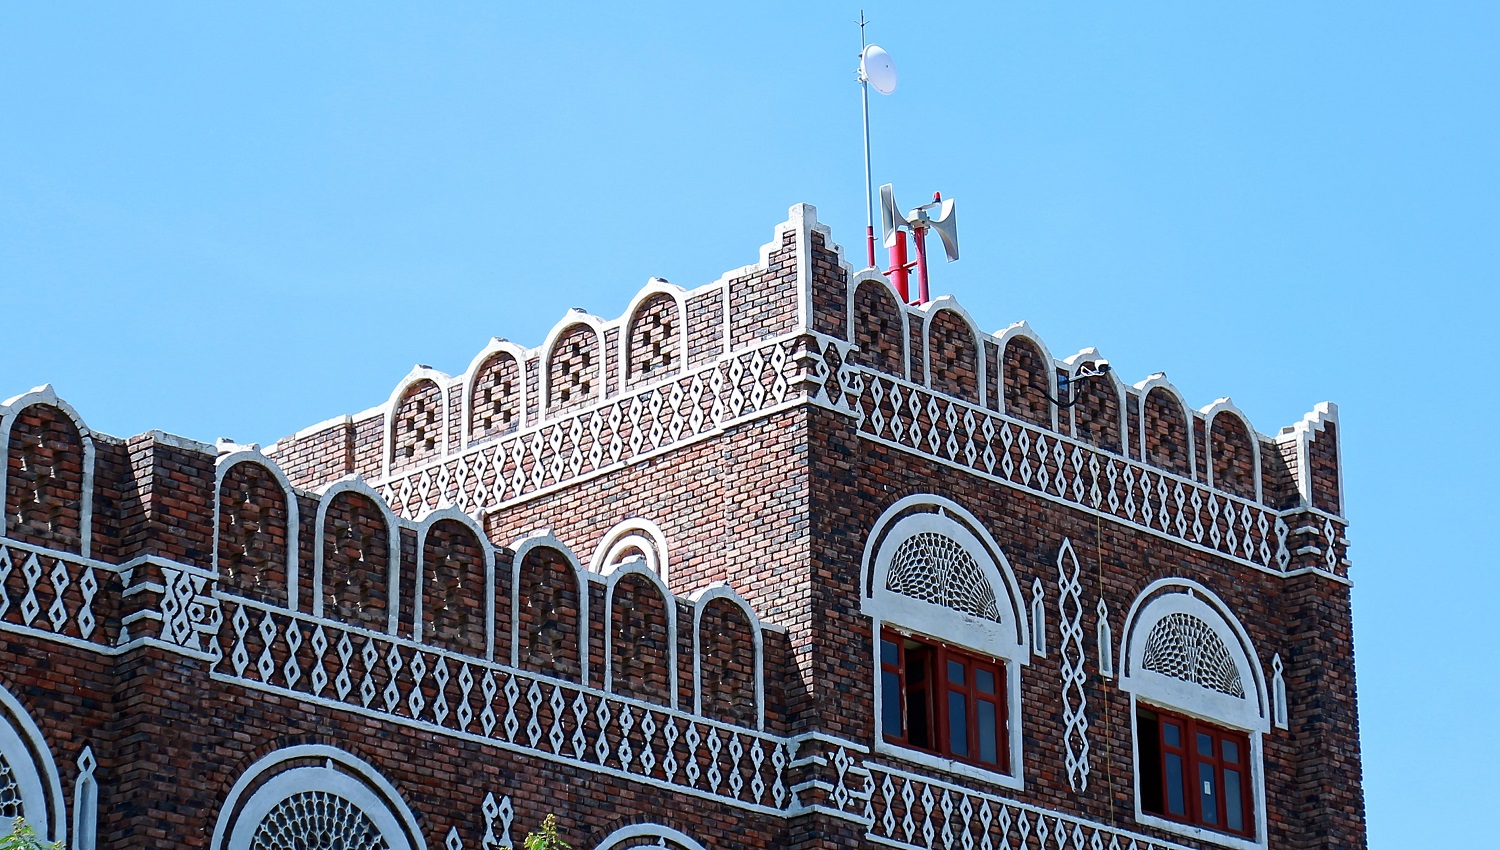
<point x="864" y="95"/>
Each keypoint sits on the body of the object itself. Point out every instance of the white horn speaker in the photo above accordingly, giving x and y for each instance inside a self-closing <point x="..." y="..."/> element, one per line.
<point x="946" y="225"/>
<point x="890" y="215"/>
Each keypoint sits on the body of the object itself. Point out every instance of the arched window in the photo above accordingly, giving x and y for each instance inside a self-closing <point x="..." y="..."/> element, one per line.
<point x="951" y="636"/>
<point x="314" y="796"/>
<point x="29" y="783"/>
<point x="1199" y="704"/>
<point x="648" y="835"/>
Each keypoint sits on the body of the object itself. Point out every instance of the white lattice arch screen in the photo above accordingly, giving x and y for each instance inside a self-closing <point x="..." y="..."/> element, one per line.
<point x="1182" y="648"/>
<point x="342" y="799"/>
<point x="648" y="835"/>
<point x="29" y="782"/>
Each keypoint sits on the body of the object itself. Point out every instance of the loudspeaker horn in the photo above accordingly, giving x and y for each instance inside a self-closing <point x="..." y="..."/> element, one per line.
<point x="890" y="215"/>
<point x="946" y="225"/>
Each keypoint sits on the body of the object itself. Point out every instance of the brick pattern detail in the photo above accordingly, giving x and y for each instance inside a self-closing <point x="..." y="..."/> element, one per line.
<point x="356" y="562"/>
<point x="1096" y="416"/>
<point x="878" y="329"/>
<point x="655" y="331"/>
<point x="639" y="647"/>
<point x="44" y="481"/>
<point x="548" y="621"/>
<point x="453" y="589"/>
<point x="573" y="369"/>
<point x="1325" y="469"/>
<point x="418" y="431"/>
<point x="726" y="641"/>
<point x="253" y="533"/>
<point x="1166" y="432"/>
<point x="1026" y="386"/>
<point x="952" y="356"/>
<point x="1232" y="454"/>
<point x="495" y="398"/>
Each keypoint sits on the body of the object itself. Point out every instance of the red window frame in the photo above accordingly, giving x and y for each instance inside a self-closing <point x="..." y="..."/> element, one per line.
<point x="1214" y="769"/>
<point x="940" y="688"/>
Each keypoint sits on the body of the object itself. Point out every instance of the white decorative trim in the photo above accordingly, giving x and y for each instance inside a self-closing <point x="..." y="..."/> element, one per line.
<point x="1023" y="329"/>
<point x="356" y="484"/>
<point x="1159" y="381"/>
<point x="497" y="815"/>
<point x="423" y="528"/>
<point x="1226" y="406"/>
<point x="1070" y="649"/>
<point x="343" y="775"/>
<point x="701" y="600"/>
<point x="573" y="318"/>
<point x="251" y="454"/>
<point x="1303" y="433"/>
<point x="1278" y="693"/>
<point x="639" y="567"/>
<point x="496" y="346"/>
<point x="522" y="548"/>
<point x="1038" y="619"/>
<point x="902" y="310"/>
<point x="638" y="533"/>
<point x="417" y="375"/>
<point x="86" y="803"/>
<point x="663" y="834"/>
<point x="9" y="412"/>
<point x="929" y="312"/>
<point x="1104" y="639"/>
<point x="25" y="749"/>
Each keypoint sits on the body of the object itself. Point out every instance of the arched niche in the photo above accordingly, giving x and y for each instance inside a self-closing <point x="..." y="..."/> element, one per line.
<point x="634" y="538"/>
<point x="1233" y="451"/>
<point x="48" y="477"/>
<point x="417" y="420"/>
<point x="549" y="610"/>
<point x="954" y="366"/>
<point x="640" y="641"/>
<point x="495" y="398"/>
<point x="356" y="574"/>
<point x="455" y="593"/>
<point x="257" y="522"/>
<point x="30" y="786"/>
<point x="878" y="327"/>
<point x="654" y="344"/>
<point x="573" y="374"/>
<point x="728" y="657"/>
<point x="1166" y="436"/>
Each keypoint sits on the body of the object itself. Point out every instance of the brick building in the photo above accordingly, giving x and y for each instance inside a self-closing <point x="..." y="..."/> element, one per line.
<point x="777" y="562"/>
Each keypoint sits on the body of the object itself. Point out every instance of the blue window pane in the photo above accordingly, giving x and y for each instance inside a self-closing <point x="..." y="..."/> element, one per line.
<point x="1234" y="804"/>
<point x="1231" y="751"/>
<point x="1172" y="734"/>
<point x="889" y="652"/>
<point x="984" y="680"/>
<point x="1208" y="799"/>
<point x="1205" y="745"/>
<point x="989" y="748"/>
<point x="956" y="672"/>
<point x="958" y="725"/>
<point x="1176" y="804"/>
<point x="890" y="703"/>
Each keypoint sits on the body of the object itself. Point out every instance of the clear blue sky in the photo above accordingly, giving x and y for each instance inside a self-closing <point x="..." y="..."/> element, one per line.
<point x="239" y="221"/>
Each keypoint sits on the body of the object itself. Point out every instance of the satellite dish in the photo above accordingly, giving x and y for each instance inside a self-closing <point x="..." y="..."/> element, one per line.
<point x="877" y="69"/>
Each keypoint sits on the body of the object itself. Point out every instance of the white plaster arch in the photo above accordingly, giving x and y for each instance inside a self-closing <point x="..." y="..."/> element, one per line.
<point x="496" y="346"/>
<point x="638" y="567"/>
<point x="1008" y="640"/>
<point x="929" y="312"/>
<point x="1185" y="596"/>
<point x="342" y="774"/>
<point x="1250" y="714"/>
<point x="1024" y="329"/>
<point x="1092" y="355"/>
<point x="25" y="750"/>
<point x="665" y="835"/>
<point x="701" y="599"/>
<point x="903" y="310"/>
<point x="356" y="484"/>
<point x="1227" y="407"/>
<point x="522" y="548"/>
<point x="544" y="355"/>
<point x="1159" y="381"/>
<point x="654" y="286"/>
<point x="10" y="411"/>
<point x="417" y="375"/>
<point x="423" y="528"/>
<point x="252" y="454"/>
<point x="638" y="533"/>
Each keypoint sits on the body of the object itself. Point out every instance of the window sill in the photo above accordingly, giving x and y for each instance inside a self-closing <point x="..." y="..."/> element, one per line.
<point x="1199" y="833"/>
<point x="951" y="766"/>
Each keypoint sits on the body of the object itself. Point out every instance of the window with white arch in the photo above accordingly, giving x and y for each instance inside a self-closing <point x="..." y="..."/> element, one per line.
<point x="1199" y="710"/>
<point x="648" y="835"/>
<point x="314" y="796"/>
<point x="950" y="640"/>
<point x="29" y="783"/>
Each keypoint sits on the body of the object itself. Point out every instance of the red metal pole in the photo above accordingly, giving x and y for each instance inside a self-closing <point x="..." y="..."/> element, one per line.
<point x="870" y="245"/>
<point x="898" y="272"/>
<point x="919" y="239"/>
